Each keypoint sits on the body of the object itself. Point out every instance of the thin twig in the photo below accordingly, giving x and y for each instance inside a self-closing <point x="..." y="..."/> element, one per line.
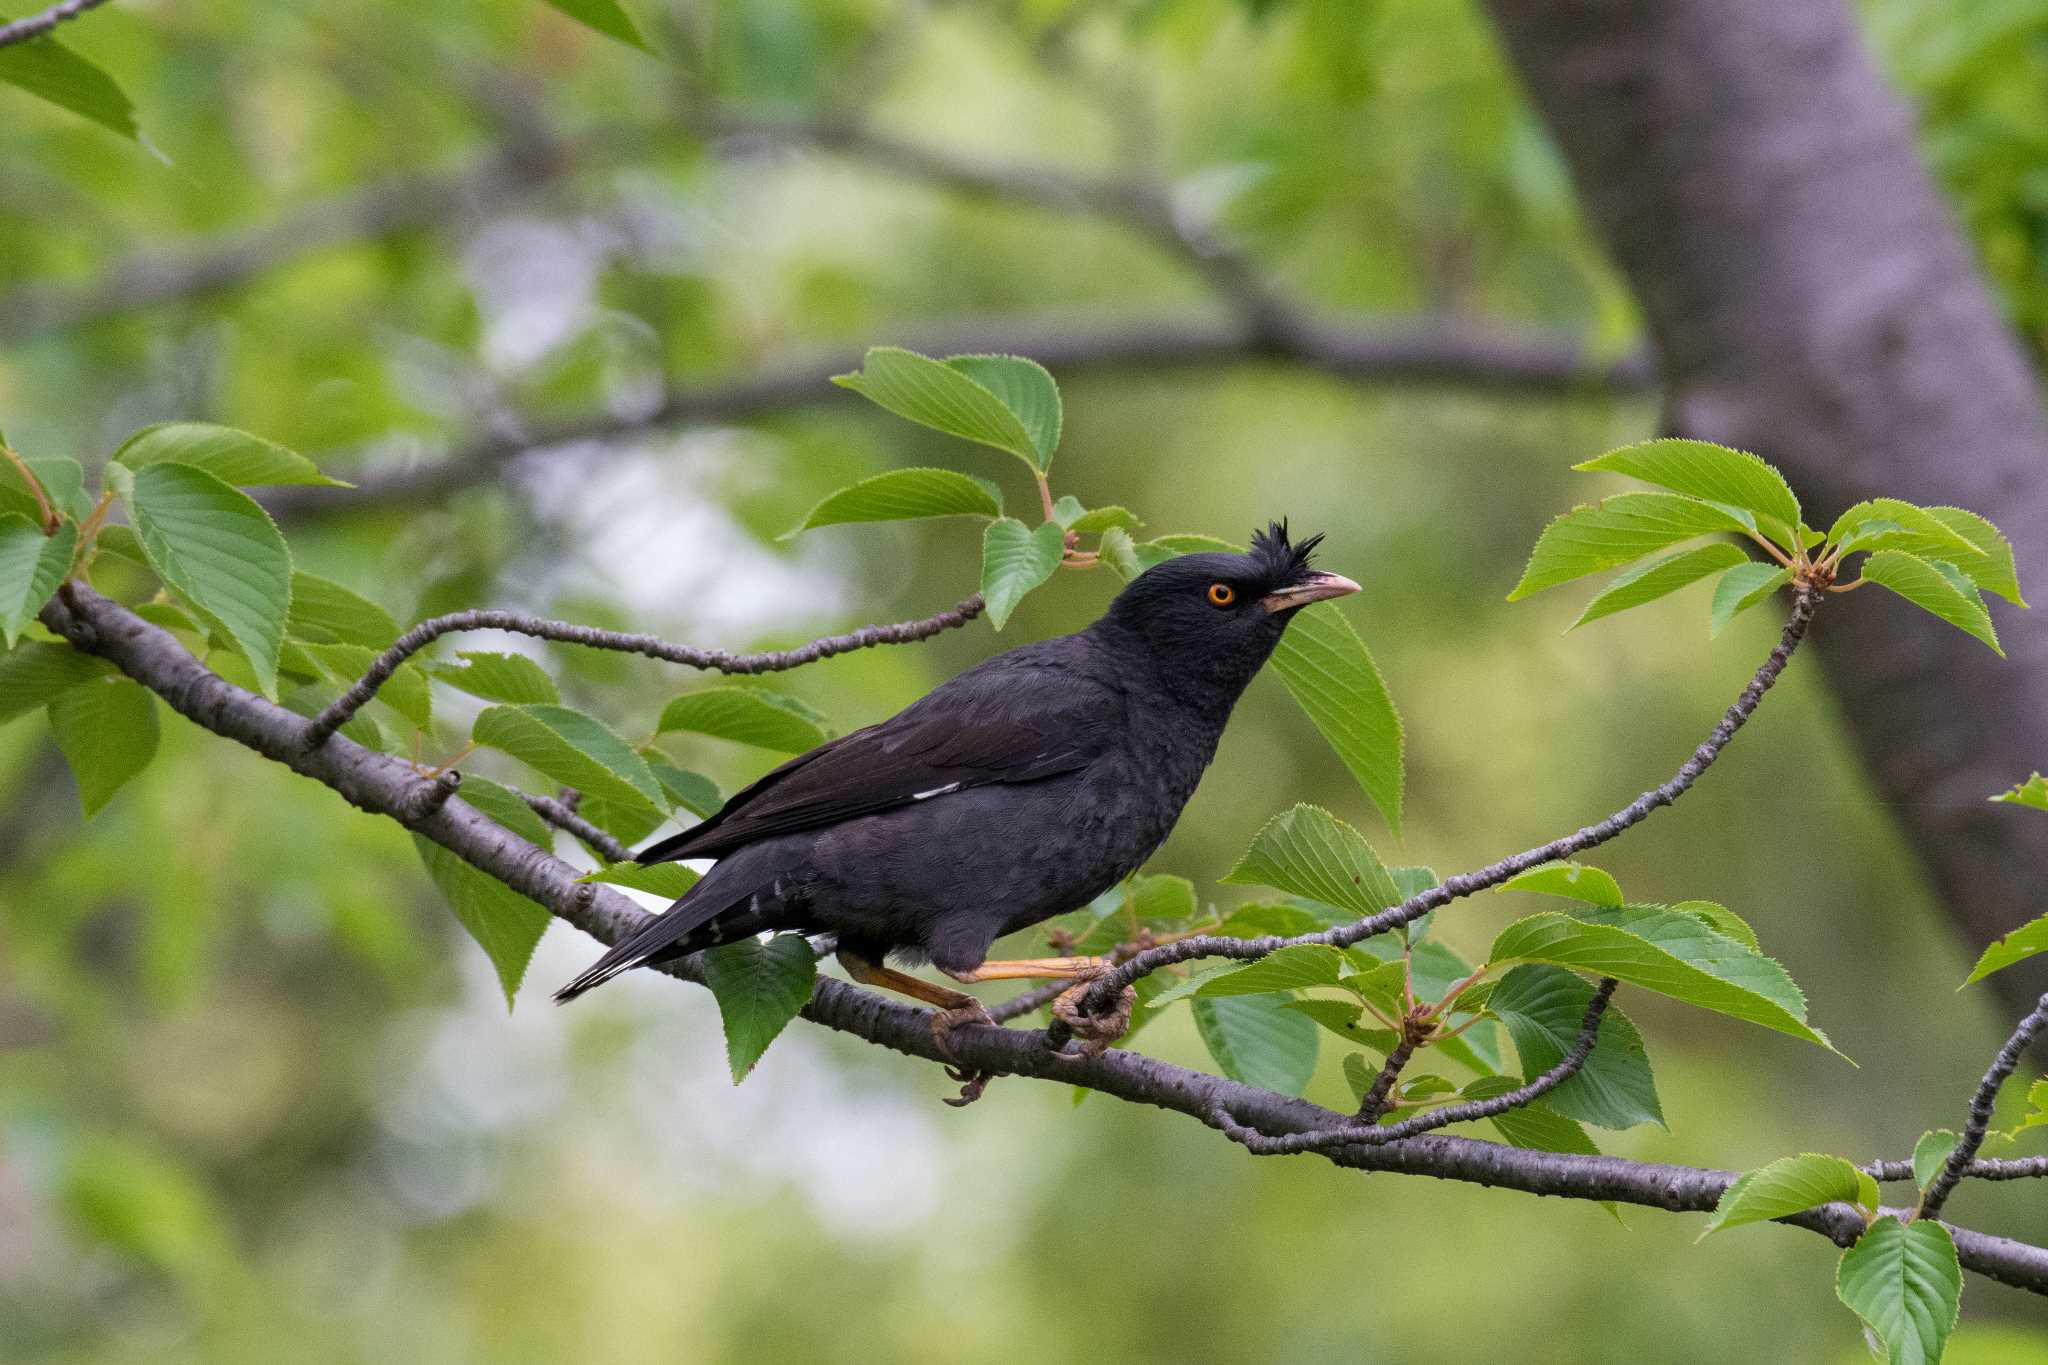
<point x="35" y="488"/>
<point x="1983" y="1168"/>
<point x="1804" y="601"/>
<point x="1376" y="1135"/>
<point x="1958" y="1163"/>
<point x="1038" y="997"/>
<point x="36" y="25"/>
<point x="1378" y="1098"/>
<point x="558" y="814"/>
<point x="358" y="696"/>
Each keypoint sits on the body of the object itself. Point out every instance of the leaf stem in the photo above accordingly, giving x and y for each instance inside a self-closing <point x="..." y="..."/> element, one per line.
<point x="51" y="521"/>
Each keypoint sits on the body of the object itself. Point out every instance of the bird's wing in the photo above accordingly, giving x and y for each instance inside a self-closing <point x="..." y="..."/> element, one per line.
<point x="996" y="729"/>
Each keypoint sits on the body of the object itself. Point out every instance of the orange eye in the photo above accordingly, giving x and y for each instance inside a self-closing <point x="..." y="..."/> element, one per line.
<point x="1222" y="594"/>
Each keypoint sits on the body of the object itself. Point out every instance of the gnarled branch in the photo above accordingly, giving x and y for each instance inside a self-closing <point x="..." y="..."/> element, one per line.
<point x="1965" y="1151"/>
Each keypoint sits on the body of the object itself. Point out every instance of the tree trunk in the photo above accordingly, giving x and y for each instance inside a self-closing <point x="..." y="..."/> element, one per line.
<point x="1812" y="301"/>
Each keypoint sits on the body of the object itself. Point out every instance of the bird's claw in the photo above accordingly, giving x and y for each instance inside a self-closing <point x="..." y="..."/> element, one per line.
<point x="1093" y="1032"/>
<point x="972" y="1082"/>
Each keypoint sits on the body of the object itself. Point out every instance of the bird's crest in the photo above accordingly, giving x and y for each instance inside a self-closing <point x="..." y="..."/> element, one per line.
<point x="1280" y="562"/>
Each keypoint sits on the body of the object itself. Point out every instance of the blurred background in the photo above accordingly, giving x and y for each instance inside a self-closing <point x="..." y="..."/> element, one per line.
<point x="563" y="310"/>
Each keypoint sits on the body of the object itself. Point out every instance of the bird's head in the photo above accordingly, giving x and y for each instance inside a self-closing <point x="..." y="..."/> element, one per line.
<point x="1217" y="617"/>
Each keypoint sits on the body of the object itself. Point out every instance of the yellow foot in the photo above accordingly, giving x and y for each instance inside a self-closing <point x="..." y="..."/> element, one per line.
<point x="1094" y="1032"/>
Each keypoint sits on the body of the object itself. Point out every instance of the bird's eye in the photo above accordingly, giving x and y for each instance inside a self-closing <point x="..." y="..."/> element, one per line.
<point x="1222" y="594"/>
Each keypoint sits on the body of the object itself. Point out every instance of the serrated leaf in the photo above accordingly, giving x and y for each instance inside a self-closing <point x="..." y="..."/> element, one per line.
<point x="1666" y="951"/>
<point x="573" y="749"/>
<point x="407" y="691"/>
<point x="1328" y="671"/>
<point x="1310" y="852"/>
<point x="308" y="700"/>
<point x="746" y="715"/>
<point x="1617" y="531"/>
<point x="671" y="880"/>
<point x="2017" y="946"/>
<point x="511" y="678"/>
<point x="1027" y="390"/>
<point x="34" y="673"/>
<point x="1543" y="1008"/>
<point x="1359" y="1075"/>
<point x="1701" y="469"/>
<point x="1931" y="1153"/>
<point x="1120" y="552"/>
<point x="1993" y="569"/>
<point x="1792" y="1185"/>
<point x="107" y="731"/>
<point x="229" y="455"/>
<point x="1904" y="1281"/>
<point x="31" y="566"/>
<point x="1652" y="581"/>
<point x="2032" y="792"/>
<point x="1722" y="920"/>
<point x="324" y="612"/>
<point x="1926" y="587"/>
<point x="508" y="808"/>
<point x="937" y="395"/>
<point x="694" y="792"/>
<point x="2037" y="1111"/>
<point x="62" y="481"/>
<point x="905" y="494"/>
<point x="1101" y="520"/>
<point x="505" y="924"/>
<point x="603" y="16"/>
<point x="1891" y="524"/>
<point x="1257" y="921"/>
<point x="121" y="541"/>
<point x="1303" y="965"/>
<point x="760" y="988"/>
<point x="1741" y="588"/>
<point x="1573" y="881"/>
<point x="1257" y="1040"/>
<point x="219" y="552"/>
<point x="1347" y="1020"/>
<point x="51" y="71"/>
<point x="1015" y="559"/>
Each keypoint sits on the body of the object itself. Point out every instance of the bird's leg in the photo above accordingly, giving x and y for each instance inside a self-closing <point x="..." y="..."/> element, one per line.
<point x="1094" y="1031"/>
<point x="954" y="1009"/>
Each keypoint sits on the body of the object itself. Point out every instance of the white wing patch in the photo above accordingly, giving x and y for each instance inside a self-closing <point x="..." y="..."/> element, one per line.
<point x="935" y="791"/>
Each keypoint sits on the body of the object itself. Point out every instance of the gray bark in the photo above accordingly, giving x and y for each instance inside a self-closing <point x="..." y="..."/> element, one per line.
<point x="1811" y="300"/>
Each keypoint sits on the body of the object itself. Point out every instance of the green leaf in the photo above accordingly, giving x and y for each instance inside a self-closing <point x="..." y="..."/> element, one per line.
<point x="1304" y="964"/>
<point x="107" y="730"/>
<point x="694" y="792"/>
<point x="511" y="678"/>
<point x="406" y="691"/>
<point x="1722" y="920"/>
<point x="1931" y="1153"/>
<point x="229" y="455"/>
<point x="505" y="924"/>
<point x="1536" y="1127"/>
<point x="1666" y="951"/>
<point x="1543" y="1008"/>
<point x="31" y="566"/>
<point x="2037" y="1111"/>
<point x="670" y="880"/>
<point x="1904" y="1281"/>
<point x="308" y="700"/>
<point x="1310" y="852"/>
<point x="2017" y="946"/>
<point x="937" y="395"/>
<point x="508" y="808"/>
<point x="760" y="988"/>
<point x="63" y="483"/>
<point x="2032" y="792"/>
<point x="1257" y="1040"/>
<point x="1992" y="569"/>
<point x="324" y="613"/>
<point x="1573" y="881"/>
<point x="573" y="749"/>
<point x="1343" y="1018"/>
<point x="746" y="715"/>
<point x="1027" y="390"/>
<point x="1926" y="587"/>
<point x="603" y="16"/>
<point x="1890" y="524"/>
<point x="906" y="494"/>
<point x="1655" y="580"/>
<point x="35" y="673"/>
<point x="1792" y="1185"/>
<point x="1330" y="674"/>
<point x="1117" y="550"/>
<point x="1101" y="520"/>
<point x="1741" y="588"/>
<point x="51" y="71"/>
<point x="1733" y="478"/>
<point x="1014" y="560"/>
<point x="1617" y="531"/>
<point x="219" y="552"/>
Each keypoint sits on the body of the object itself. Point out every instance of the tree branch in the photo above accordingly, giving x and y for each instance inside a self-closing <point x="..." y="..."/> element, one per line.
<point x="339" y="711"/>
<point x="1804" y="601"/>
<point x="1371" y="1133"/>
<point x="1959" y="1160"/>
<point x="1983" y="1168"/>
<point x="36" y="25"/>
<point x="384" y="785"/>
<point x="562" y="815"/>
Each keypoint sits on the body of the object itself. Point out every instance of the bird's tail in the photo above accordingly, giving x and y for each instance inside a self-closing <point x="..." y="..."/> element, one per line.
<point x="668" y="935"/>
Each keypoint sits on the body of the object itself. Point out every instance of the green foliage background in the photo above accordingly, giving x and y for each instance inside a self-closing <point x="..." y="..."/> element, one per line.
<point x="258" y="1093"/>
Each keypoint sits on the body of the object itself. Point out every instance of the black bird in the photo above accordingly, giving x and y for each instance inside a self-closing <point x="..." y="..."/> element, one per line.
<point x="1022" y="788"/>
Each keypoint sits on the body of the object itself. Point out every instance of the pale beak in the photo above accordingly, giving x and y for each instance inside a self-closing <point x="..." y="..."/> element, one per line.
<point x="1317" y="587"/>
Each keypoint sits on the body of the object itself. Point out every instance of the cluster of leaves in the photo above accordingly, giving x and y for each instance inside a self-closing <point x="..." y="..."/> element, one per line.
<point x="1941" y="559"/>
